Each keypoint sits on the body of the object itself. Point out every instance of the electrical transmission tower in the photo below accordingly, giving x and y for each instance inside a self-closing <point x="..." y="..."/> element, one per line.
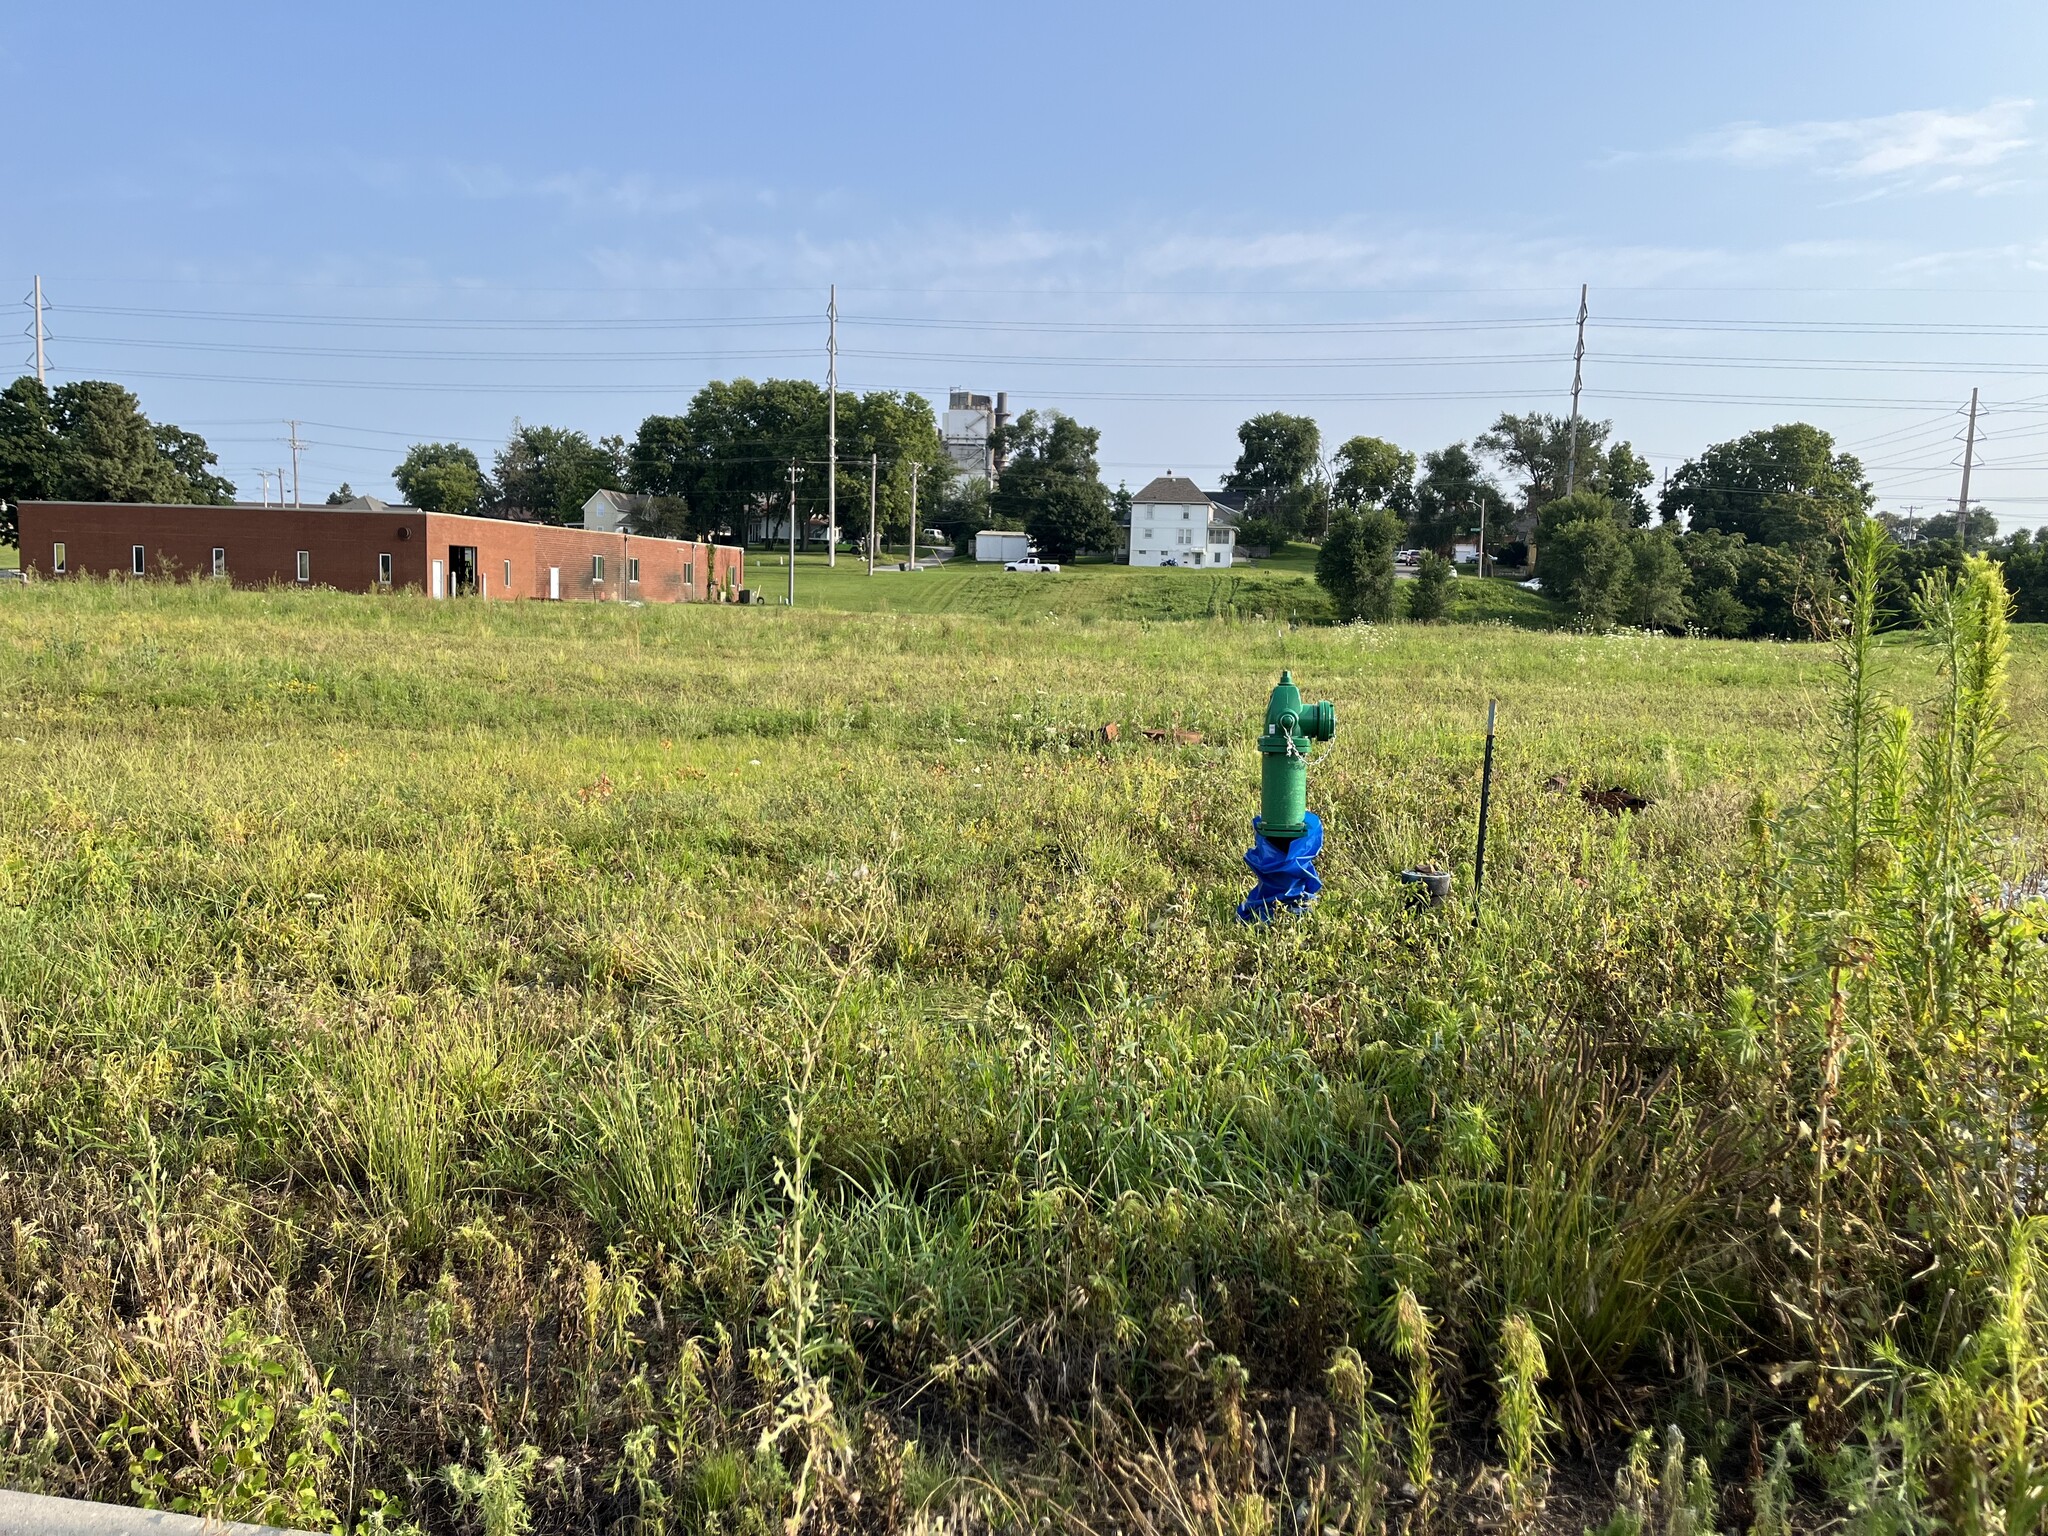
<point x="38" y="330"/>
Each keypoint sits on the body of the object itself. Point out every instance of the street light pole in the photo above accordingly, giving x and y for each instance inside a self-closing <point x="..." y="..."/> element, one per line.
<point x="791" y="599"/>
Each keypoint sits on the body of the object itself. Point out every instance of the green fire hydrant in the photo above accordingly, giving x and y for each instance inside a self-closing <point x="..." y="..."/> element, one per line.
<point x="1283" y="759"/>
<point x="1286" y="834"/>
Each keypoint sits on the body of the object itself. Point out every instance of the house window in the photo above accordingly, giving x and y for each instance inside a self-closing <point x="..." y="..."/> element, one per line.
<point x="220" y="561"/>
<point x="633" y="569"/>
<point x="508" y="578"/>
<point x="305" y="565"/>
<point x="1185" y="512"/>
<point x="597" y="570"/>
<point x="383" y="570"/>
<point x="135" y="558"/>
<point x="56" y="559"/>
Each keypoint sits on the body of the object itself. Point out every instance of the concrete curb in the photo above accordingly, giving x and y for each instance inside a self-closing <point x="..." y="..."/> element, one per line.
<point x="34" y="1514"/>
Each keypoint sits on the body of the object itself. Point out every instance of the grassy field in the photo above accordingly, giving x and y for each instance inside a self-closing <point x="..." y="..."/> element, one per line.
<point x="1092" y="593"/>
<point x="746" y="1070"/>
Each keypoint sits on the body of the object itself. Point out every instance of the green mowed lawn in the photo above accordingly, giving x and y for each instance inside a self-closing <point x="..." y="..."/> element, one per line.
<point x="1284" y="589"/>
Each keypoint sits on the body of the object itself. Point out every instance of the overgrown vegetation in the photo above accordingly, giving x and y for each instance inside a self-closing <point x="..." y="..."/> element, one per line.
<point x="490" y="1068"/>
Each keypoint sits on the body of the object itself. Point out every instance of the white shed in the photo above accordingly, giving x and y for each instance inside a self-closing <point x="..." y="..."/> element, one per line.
<point x="1001" y="546"/>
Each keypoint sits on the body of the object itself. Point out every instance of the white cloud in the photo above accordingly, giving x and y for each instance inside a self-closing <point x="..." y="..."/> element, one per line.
<point x="1923" y="150"/>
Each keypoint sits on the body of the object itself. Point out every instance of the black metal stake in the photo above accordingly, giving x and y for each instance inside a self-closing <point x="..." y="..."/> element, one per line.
<point x="1485" y="799"/>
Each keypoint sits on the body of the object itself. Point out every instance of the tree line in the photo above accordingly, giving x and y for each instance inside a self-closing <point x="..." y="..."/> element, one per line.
<point x="1735" y="543"/>
<point x="710" y="471"/>
<point x="1746" y="536"/>
<point x="89" y="441"/>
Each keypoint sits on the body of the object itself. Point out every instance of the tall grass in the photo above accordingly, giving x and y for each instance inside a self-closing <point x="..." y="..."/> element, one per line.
<point x="426" y="991"/>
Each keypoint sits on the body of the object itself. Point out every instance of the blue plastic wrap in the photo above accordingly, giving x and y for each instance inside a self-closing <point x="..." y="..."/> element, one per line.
<point x="1287" y="878"/>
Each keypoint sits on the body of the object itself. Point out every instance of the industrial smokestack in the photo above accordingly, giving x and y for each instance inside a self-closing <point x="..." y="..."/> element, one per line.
<point x="1002" y="420"/>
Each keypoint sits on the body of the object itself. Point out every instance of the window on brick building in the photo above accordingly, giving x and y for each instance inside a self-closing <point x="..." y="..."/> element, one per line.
<point x="508" y="578"/>
<point x="597" y="568"/>
<point x="220" y="561"/>
<point x="633" y="568"/>
<point x="305" y="565"/>
<point x="383" y="570"/>
<point x="136" y="559"/>
<point x="56" y="559"/>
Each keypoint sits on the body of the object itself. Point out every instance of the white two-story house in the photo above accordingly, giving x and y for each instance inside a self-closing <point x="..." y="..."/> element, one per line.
<point x="1173" y="523"/>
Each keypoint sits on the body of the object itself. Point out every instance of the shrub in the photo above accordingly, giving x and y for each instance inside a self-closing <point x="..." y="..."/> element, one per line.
<point x="1356" y="565"/>
<point x="1429" y="596"/>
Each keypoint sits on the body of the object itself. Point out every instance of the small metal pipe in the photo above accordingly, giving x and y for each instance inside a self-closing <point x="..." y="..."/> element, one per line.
<point x="1485" y="800"/>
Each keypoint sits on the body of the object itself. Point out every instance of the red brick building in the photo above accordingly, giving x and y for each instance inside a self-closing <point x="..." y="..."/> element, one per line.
<point x="369" y="551"/>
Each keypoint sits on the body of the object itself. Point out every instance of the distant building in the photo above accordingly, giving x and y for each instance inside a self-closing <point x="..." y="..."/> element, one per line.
<point x="614" y="511"/>
<point x="1174" y="522"/>
<point x="360" y="549"/>
<point x="966" y="429"/>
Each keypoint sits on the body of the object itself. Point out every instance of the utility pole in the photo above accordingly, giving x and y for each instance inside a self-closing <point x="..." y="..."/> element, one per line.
<point x="296" y="446"/>
<point x="791" y="599"/>
<point x="1912" y="525"/>
<point x="263" y="475"/>
<point x="37" y="300"/>
<point x="1571" y="453"/>
<point x="1482" y="536"/>
<point x="914" y="467"/>
<point x="832" y="427"/>
<point x="874" y="459"/>
<point x="1969" y="454"/>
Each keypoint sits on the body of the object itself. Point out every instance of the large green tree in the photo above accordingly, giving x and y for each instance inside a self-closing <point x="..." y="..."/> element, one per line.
<point x="1448" y="500"/>
<point x="550" y="472"/>
<point x="106" y="448"/>
<point x="1537" y="449"/>
<point x="1279" y="469"/>
<point x="442" y="477"/>
<point x="28" y="450"/>
<point x="189" y="468"/>
<point x="1786" y="485"/>
<point x="1051" y="485"/>
<point x="728" y="456"/>
<point x="1356" y="563"/>
<point x="1372" y="472"/>
<point x="89" y="441"/>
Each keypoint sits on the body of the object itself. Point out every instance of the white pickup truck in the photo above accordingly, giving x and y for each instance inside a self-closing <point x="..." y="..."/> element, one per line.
<point x="1048" y="566"/>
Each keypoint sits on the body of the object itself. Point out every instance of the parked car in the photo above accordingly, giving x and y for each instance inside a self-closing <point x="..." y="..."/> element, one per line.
<point x="1533" y="584"/>
<point x="1032" y="565"/>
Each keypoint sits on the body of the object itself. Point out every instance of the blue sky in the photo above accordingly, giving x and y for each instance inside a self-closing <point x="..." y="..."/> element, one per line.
<point x="396" y="223"/>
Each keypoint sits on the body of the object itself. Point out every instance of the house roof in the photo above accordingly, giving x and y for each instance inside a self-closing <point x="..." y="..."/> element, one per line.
<point x="620" y="501"/>
<point x="1173" y="491"/>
